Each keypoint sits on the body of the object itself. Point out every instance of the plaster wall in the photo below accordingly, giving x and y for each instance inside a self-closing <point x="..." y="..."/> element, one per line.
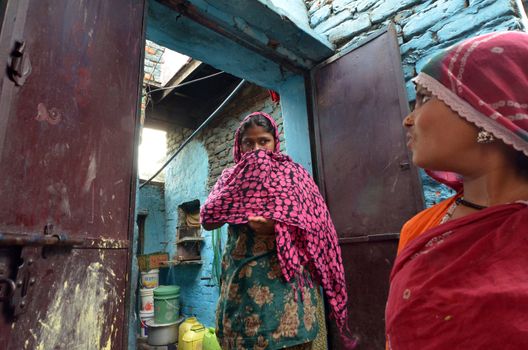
<point x="152" y="203"/>
<point x="186" y="180"/>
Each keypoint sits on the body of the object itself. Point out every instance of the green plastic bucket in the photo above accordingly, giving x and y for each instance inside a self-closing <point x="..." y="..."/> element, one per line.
<point x="166" y="304"/>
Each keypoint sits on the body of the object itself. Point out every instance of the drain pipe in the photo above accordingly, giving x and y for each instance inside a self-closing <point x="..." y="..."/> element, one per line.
<point x="203" y="125"/>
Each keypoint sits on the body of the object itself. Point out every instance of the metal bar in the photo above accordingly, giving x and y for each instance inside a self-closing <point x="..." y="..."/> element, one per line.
<point x="39" y="240"/>
<point x="203" y="125"/>
<point x="11" y="239"/>
<point x="370" y="238"/>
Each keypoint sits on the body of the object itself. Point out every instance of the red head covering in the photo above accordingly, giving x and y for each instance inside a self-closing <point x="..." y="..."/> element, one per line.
<point x="485" y="80"/>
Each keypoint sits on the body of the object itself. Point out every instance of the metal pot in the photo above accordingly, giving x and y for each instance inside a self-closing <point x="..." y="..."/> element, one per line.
<point x="162" y="334"/>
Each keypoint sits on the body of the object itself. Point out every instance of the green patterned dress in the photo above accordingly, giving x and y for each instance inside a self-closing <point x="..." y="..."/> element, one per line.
<point x="257" y="309"/>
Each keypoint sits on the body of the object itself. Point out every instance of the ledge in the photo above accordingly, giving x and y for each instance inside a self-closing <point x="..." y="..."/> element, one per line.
<point x="181" y="262"/>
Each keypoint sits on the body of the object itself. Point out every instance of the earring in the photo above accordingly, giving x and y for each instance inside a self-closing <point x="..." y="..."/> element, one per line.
<point x="484" y="136"/>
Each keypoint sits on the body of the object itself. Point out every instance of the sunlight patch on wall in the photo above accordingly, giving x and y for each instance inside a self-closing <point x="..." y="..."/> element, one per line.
<point x="152" y="153"/>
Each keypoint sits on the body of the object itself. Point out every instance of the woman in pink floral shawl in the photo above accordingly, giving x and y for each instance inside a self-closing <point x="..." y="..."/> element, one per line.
<point x="281" y="237"/>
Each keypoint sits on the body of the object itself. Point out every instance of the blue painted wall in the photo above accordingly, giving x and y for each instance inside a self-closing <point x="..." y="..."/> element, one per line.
<point x="169" y="29"/>
<point x="295" y="114"/>
<point x="152" y="203"/>
<point x="186" y="180"/>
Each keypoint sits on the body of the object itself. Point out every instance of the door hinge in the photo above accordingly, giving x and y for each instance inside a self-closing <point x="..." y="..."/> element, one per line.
<point x="20" y="67"/>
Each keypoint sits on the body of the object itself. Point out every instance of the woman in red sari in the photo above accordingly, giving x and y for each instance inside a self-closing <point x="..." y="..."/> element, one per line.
<point x="460" y="280"/>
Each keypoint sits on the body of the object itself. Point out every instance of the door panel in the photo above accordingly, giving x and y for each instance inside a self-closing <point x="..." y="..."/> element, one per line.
<point x="67" y="169"/>
<point x="364" y="171"/>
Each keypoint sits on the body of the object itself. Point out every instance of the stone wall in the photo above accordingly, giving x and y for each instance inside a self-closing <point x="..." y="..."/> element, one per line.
<point x="423" y="27"/>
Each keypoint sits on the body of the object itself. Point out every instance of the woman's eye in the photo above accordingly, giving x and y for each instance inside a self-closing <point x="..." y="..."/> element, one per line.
<point x="263" y="142"/>
<point x="421" y="99"/>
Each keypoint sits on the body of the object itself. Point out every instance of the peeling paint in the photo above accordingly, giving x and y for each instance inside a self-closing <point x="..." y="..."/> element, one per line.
<point x="59" y="195"/>
<point x="52" y="116"/>
<point x="76" y="316"/>
<point x="90" y="173"/>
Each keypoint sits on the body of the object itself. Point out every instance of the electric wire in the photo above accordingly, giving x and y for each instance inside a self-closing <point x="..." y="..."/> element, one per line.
<point x="203" y="125"/>
<point x="186" y="83"/>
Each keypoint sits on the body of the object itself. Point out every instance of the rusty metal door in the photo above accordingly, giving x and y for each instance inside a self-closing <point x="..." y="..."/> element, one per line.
<point x="364" y="172"/>
<point x="68" y="113"/>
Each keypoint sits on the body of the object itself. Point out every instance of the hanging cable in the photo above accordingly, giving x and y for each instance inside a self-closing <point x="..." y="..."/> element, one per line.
<point x="203" y="125"/>
<point x="186" y="83"/>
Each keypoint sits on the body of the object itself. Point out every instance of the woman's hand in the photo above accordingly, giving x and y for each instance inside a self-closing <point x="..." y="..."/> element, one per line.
<point x="261" y="225"/>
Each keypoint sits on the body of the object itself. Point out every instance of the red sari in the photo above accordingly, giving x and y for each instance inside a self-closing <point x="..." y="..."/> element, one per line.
<point x="463" y="284"/>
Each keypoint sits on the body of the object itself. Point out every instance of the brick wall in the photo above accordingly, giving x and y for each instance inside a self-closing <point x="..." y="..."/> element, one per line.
<point x="153" y="62"/>
<point x="218" y="137"/>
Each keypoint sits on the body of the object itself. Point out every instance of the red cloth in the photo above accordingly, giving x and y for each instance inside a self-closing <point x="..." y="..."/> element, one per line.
<point x="271" y="185"/>
<point x="463" y="284"/>
<point x="484" y="80"/>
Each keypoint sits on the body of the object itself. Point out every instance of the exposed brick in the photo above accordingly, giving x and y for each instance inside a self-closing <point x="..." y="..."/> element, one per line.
<point x="150" y="50"/>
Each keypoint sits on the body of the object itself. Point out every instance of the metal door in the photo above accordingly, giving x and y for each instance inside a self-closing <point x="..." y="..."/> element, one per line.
<point x="364" y="172"/>
<point x="68" y="113"/>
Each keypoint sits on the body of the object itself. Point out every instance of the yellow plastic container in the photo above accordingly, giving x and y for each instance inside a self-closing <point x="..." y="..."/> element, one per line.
<point x="186" y="326"/>
<point x="193" y="338"/>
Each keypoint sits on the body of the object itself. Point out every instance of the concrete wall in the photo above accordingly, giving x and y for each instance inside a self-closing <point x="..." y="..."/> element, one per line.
<point x="423" y="27"/>
<point x="186" y="180"/>
<point x="152" y="203"/>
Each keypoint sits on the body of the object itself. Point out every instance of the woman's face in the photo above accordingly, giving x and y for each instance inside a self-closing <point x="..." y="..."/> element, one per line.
<point x="439" y="138"/>
<point x="257" y="138"/>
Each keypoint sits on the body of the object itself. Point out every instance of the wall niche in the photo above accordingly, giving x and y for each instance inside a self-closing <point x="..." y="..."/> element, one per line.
<point x="189" y="233"/>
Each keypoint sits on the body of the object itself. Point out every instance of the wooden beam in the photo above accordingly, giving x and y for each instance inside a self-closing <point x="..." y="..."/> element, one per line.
<point x="180" y="76"/>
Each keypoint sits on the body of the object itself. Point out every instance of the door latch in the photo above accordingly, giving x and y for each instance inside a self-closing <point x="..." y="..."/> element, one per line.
<point x="20" y="67"/>
<point x="18" y="291"/>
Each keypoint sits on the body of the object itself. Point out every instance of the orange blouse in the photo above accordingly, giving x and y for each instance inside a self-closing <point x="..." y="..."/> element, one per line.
<point x="423" y="221"/>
